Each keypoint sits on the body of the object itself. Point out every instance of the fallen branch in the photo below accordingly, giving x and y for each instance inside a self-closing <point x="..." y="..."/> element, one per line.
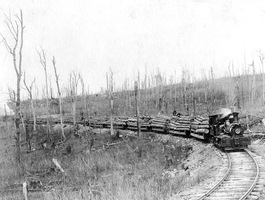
<point x="112" y="144"/>
<point x="58" y="165"/>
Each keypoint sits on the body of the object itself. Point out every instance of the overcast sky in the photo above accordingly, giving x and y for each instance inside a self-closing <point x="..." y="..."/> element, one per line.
<point x="128" y="35"/>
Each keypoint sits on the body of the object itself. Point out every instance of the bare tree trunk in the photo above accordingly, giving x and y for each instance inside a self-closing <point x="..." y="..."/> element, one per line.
<point x="111" y="102"/>
<point x="145" y="92"/>
<point x="193" y="99"/>
<point x="74" y="79"/>
<point x="126" y="97"/>
<point x="60" y="96"/>
<point x="139" y="86"/>
<point x="42" y="56"/>
<point x="247" y="78"/>
<point x="262" y="57"/>
<point x="128" y="100"/>
<point x="50" y="84"/>
<point x="16" y="29"/>
<point x="5" y="116"/>
<point x="84" y="99"/>
<point x="253" y="82"/>
<point x="34" y="116"/>
<point x="88" y="106"/>
<point x="175" y="91"/>
<point x="184" y="89"/>
<point x="29" y="89"/>
<point x="148" y="93"/>
<point x="22" y="120"/>
<point x="137" y="108"/>
<point x="242" y="93"/>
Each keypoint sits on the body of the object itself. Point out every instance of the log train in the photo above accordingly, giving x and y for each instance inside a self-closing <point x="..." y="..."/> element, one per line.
<point x="221" y="127"/>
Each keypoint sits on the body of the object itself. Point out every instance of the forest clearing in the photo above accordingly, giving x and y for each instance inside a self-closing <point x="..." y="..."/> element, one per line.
<point x="136" y="100"/>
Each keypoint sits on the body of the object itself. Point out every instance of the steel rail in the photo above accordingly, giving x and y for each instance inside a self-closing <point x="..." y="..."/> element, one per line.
<point x="245" y="195"/>
<point x="219" y="182"/>
<point x="256" y="178"/>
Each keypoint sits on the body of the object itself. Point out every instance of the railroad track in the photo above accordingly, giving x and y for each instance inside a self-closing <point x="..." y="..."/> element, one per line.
<point x="240" y="181"/>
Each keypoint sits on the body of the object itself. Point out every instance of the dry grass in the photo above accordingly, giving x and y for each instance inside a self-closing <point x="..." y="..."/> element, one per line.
<point x="132" y="168"/>
<point x="10" y="173"/>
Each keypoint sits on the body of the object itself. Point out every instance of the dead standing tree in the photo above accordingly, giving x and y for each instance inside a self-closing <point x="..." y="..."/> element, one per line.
<point x="110" y="83"/>
<point x="84" y="99"/>
<point x="29" y="89"/>
<point x="136" y="92"/>
<point x="212" y="87"/>
<point x="261" y="58"/>
<point x="16" y="29"/>
<point x="184" y="90"/>
<point x="60" y="96"/>
<point x="253" y="92"/>
<point x="74" y="79"/>
<point x="42" y="56"/>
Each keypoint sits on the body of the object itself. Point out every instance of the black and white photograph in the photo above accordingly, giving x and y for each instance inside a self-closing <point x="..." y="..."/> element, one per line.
<point x="132" y="99"/>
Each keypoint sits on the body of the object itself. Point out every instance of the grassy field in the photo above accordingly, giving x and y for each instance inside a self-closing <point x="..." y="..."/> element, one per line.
<point x="96" y="166"/>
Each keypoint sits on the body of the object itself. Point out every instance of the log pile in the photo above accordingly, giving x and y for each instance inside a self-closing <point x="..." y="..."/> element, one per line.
<point x="158" y="123"/>
<point x="179" y="125"/>
<point x="144" y="123"/>
<point x="97" y="122"/>
<point x="199" y="126"/>
<point x="38" y="121"/>
<point x="132" y="123"/>
<point x="120" y="122"/>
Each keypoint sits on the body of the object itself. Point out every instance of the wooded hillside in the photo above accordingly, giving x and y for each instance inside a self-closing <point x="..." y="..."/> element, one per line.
<point x="158" y="95"/>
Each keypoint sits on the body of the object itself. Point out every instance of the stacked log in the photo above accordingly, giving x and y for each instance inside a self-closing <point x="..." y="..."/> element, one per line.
<point x="159" y="123"/>
<point x="132" y="123"/>
<point x="43" y="121"/>
<point x="97" y="122"/>
<point x="38" y="121"/>
<point x="120" y="122"/>
<point x="179" y="125"/>
<point x="145" y="123"/>
<point x="199" y="127"/>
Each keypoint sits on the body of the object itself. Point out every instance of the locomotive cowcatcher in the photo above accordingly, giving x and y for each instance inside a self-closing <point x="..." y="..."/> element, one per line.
<point x="226" y="131"/>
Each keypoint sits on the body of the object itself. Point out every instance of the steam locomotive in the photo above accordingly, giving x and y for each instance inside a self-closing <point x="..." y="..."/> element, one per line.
<point x="225" y="130"/>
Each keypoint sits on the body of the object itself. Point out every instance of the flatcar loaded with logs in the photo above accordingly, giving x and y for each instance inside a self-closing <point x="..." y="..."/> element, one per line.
<point x="222" y="127"/>
<point x="225" y="130"/>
